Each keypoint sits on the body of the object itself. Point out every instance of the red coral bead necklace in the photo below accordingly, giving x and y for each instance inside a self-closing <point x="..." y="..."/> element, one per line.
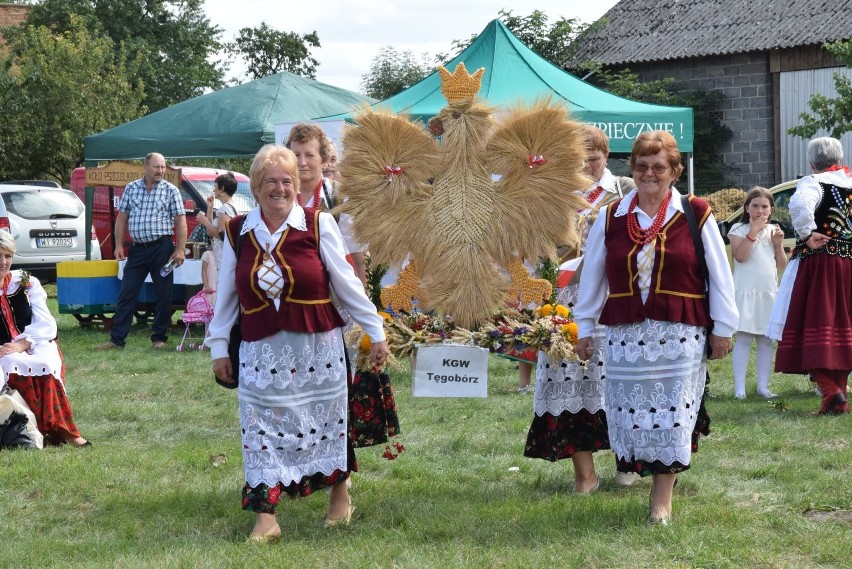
<point x="594" y="194"/>
<point x="641" y="236"/>
<point x="316" y="200"/>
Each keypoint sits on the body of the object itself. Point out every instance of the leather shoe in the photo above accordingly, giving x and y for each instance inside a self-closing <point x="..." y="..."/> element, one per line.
<point x="625" y="479"/>
<point x="590" y="490"/>
<point x="660" y="520"/>
<point x="158" y="345"/>
<point x="344" y="521"/>
<point x="272" y="535"/>
<point x="108" y="345"/>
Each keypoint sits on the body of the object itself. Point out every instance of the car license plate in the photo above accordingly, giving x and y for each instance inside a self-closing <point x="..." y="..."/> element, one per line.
<point x="53" y="242"/>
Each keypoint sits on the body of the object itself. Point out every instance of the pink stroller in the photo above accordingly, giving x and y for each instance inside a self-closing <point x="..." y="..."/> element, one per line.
<point x="199" y="310"/>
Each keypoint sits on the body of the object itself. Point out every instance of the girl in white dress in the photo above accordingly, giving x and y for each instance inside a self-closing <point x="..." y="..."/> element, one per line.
<point x="756" y="245"/>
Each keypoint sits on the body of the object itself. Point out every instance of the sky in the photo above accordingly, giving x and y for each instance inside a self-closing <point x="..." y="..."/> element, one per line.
<point x="352" y="32"/>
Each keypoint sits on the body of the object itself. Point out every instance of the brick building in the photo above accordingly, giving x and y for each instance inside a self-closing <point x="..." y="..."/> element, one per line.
<point x="765" y="56"/>
<point x="12" y="15"/>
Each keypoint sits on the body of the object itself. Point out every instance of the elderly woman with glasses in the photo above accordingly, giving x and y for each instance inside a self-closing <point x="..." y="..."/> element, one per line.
<point x="644" y="280"/>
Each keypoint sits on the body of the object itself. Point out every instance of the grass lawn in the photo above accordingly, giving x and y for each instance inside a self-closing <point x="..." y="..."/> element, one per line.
<point x="161" y="485"/>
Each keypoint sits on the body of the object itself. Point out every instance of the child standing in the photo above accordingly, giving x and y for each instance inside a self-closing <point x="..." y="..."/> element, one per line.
<point x="758" y="253"/>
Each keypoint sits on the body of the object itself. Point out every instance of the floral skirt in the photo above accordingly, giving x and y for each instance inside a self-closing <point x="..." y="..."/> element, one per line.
<point x="554" y="437"/>
<point x="45" y="396"/>
<point x="263" y="499"/>
<point x="372" y="410"/>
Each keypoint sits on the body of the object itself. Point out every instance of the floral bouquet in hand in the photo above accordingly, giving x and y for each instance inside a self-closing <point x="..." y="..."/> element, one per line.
<point x="356" y="337"/>
<point x="554" y="332"/>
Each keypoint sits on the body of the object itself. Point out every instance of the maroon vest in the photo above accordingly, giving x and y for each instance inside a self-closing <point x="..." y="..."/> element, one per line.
<point x="306" y="300"/>
<point x="677" y="291"/>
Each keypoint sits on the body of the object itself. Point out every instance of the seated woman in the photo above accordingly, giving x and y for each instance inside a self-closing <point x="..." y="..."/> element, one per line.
<point x="29" y="356"/>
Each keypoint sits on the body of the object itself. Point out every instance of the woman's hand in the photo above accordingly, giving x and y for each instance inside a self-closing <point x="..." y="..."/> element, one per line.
<point x="15" y="347"/>
<point x="719" y="347"/>
<point x="379" y="355"/>
<point x="817" y="240"/>
<point x="223" y="370"/>
<point x="202" y="219"/>
<point x="585" y="348"/>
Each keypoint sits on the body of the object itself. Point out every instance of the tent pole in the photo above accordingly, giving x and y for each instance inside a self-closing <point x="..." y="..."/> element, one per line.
<point x="691" y="174"/>
<point x="90" y="204"/>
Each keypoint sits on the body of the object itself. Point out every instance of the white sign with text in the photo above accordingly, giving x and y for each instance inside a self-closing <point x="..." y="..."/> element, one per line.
<point x="450" y="370"/>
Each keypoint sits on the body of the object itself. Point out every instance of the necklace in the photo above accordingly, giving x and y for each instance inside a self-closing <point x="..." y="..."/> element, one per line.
<point x="594" y="194"/>
<point x="316" y="200"/>
<point x="641" y="236"/>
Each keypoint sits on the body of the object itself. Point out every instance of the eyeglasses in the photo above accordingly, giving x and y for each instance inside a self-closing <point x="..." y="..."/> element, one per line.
<point x="656" y="168"/>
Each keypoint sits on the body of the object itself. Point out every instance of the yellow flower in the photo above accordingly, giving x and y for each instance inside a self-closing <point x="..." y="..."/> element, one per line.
<point x="546" y="310"/>
<point x="366" y="344"/>
<point x="561" y="310"/>
<point x="570" y="331"/>
<point x="385" y="315"/>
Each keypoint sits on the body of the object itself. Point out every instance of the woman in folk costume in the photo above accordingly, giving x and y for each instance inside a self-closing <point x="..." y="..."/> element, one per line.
<point x="644" y="280"/>
<point x="29" y="356"/>
<point x="313" y="150"/>
<point x="569" y="418"/>
<point x="812" y="316"/>
<point x="293" y="369"/>
<point x="372" y="407"/>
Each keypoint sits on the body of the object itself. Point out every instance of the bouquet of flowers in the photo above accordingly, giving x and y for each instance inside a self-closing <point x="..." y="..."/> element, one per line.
<point x="356" y="336"/>
<point x="406" y="330"/>
<point x="549" y="329"/>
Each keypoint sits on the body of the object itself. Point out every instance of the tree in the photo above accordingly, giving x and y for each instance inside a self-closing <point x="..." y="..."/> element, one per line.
<point x="552" y="42"/>
<point x="833" y="115"/>
<point x="267" y="51"/>
<point x="392" y="71"/>
<point x="176" y="41"/>
<point x="54" y="90"/>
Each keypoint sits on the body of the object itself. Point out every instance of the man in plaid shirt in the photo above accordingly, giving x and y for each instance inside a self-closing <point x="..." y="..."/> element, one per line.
<point x="153" y="210"/>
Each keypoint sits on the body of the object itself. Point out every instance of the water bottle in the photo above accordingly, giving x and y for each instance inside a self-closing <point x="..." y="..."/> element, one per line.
<point x="167" y="268"/>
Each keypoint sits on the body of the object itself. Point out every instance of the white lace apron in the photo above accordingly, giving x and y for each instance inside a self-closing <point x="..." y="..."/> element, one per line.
<point x="293" y="406"/>
<point x="655" y="381"/>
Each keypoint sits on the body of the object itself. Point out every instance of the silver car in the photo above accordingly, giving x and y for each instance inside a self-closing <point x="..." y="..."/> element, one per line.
<point x="48" y="224"/>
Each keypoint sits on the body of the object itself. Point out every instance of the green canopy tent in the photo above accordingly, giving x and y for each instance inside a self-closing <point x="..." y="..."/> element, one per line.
<point x="514" y="72"/>
<point x="231" y="122"/>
